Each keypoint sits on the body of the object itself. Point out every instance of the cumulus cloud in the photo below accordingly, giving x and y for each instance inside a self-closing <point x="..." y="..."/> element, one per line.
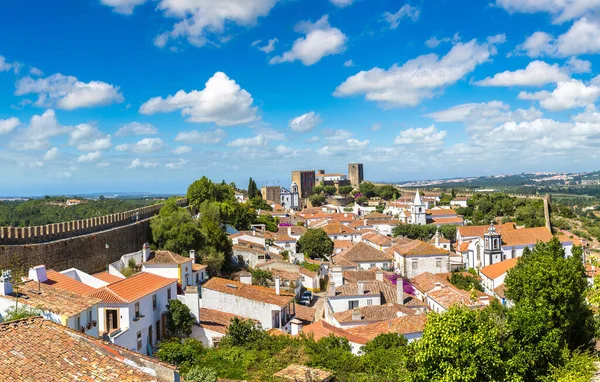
<point x="67" y="92"/>
<point x="89" y="157"/>
<point x="136" y="128"/>
<point x="137" y="163"/>
<point x="123" y="6"/>
<point x="419" y="78"/>
<point x="258" y="140"/>
<point x="6" y="66"/>
<point x="537" y="73"/>
<point x="52" y="154"/>
<point x="177" y="165"/>
<point x="561" y="10"/>
<point x="87" y="137"/>
<point x="320" y="40"/>
<point x="576" y="65"/>
<point x="37" y="134"/>
<point x="222" y="102"/>
<point x="567" y="95"/>
<point x="537" y="45"/>
<point x="376" y="126"/>
<point x="305" y="122"/>
<point x="8" y="125"/>
<point x="343" y="147"/>
<point x="195" y="136"/>
<point x="286" y="152"/>
<point x="36" y="164"/>
<point x="337" y="135"/>
<point x="180" y="150"/>
<point x="267" y="48"/>
<point x="582" y="38"/>
<point x="421" y="135"/>
<point x="433" y="42"/>
<point x="146" y="145"/>
<point x="201" y="20"/>
<point x="35" y="71"/>
<point x="406" y="12"/>
<point x="341" y="3"/>
<point x="348" y="63"/>
<point x="103" y="164"/>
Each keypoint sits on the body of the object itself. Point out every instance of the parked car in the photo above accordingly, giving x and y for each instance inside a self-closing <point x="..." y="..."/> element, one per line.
<point x="306" y="298"/>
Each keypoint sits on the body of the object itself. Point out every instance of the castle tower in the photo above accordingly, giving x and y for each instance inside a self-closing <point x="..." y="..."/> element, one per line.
<point x="355" y="174"/>
<point x="418" y="213"/>
<point x="492" y="248"/>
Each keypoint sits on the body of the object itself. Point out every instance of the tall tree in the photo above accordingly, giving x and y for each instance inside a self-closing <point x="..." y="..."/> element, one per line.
<point x="316" y="244"/>
<point x="253" y="190"/>
<point x="175" y="230"/>
<point x="179" y="319"/>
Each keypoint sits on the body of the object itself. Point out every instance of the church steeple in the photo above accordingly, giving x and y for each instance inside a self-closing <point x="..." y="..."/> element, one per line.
<point x="417" y="201"/>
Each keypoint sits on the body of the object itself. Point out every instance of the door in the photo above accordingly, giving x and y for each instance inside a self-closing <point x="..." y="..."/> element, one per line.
<point x="111" y="320"/>
<point x="158" y="333"/>
<point x="163" y="326"/>
<point x="150" y="337"/>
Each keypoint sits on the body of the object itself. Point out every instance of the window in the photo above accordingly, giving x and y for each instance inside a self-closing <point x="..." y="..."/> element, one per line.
<point x="154" y="304"/>
<point x="78" y="322"/>
<point x="352" y="304"/>
<point x="372" y="266"/>
<point x="139" y="340"/>
<point x="169" y="294"/>
<point x="415" y="265"/>
<point x="369" y="302"/>
<point x="137" y="310"/>
<point x="89" y="316"/>
<point x="438" y="263"/>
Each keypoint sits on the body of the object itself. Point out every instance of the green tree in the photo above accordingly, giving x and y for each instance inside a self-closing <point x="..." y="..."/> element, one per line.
<point x="318" y="190"/>
<point x="259" y="204"/>
<point x="448" y="231"/>
<point x="212" y="231"/>
<point x="18" y="312"/>
<point x="317" y="200"/>
<point x="316" y="244"/>
<point x="346" y="190"/>
<point x="253" y="190"/>
<point x="201" y="374"/>
<point x="261" y="277"/>
<point x="243" y="333"/>
<point x="386" y="192"/>
<point x="412" y="231"/>
<point x="385" y="341"/>
<point x="179" y="319"/>
<point x="367" y="189"/>
<point x="183" y="353"/>
<point x="204" y="190"/>
<point x="330" y="190"/>
<point x="362" y="200"/>
<point x="175" y="230"/>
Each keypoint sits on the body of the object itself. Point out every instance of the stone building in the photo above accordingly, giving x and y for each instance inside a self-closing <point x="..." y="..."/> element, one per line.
<point x="305" y="180"/>
<point x="355" y="173"/>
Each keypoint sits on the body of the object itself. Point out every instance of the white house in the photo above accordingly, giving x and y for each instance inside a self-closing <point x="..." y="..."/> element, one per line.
<point x="377" y="241"/>
<point x="362" y="256"/>
<point x="173" y="266"/>
<point x="357" y="295"/>
<point x="460" y="201"/>
<point x="413" y="257"/>
<point x="290" y="199"/>
<point x="440" y="241"/>
<point x="132" y="312"/>
<point x="440" y="295"/>
<point x="272" y="308"/>
<point x="338" y="231"/>
<point x="492" y="276"/>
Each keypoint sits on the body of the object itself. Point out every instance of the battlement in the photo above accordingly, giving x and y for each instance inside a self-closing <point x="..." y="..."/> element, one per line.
<point x="74" y="228"/>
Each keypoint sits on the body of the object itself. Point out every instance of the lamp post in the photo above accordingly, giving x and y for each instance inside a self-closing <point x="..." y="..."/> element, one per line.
<point x="107" y="247"/>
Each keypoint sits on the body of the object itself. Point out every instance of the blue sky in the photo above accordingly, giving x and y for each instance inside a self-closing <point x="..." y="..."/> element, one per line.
<point x="149" y="95"/>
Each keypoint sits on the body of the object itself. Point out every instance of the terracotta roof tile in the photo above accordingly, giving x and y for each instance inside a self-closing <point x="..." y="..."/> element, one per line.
<point x="305" y="313"/>
<point x="362" y="252"/>
<point x="337" y="228"/>
<point x="107" y="277"/>
<point x="377" y="239"/>
<point x="500" y="290"/>
<point x="133" y="288"/>
<point x="496" y="270"/>
<point x="251" y="292"/>
<point x="322" y="329"/>
<point x="526" y="236"/>
<point x="446" y="221"/>
<point x="401" y="325"/>
<point x="35" y="349"/>
<point x="376" y="215"/>
<point x="386" y="289"/>
<point x="417" y="248"/>
<point x="441" y="212"/>
<point x="167" y="257"/>
<point x="58" y="280"/>
<point x="216" y="320"/>
<point x="479" y="230"/>
<point x="374" y="313"/>
<point x="198" y="267"/>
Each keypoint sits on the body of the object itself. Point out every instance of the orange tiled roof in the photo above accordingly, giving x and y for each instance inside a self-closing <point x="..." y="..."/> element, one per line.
<point x="500" y="290"/>
<point x="216" y="320"/>
<point x="167" y="257"/>
<point x="480" y="230"/>
<point x="386" y="289"/>
<point x="360" y="224"/>
<point x="377" y="239"/>
<point x="448" y="295"/>
<point x="198" y="267"/>
<point x="496" y="270"/>
<point x="374" y="313"/>
<point x="58" y="280"/>
<point x="132" y="288"/>
<point x="442" y="212"/>
<point x="307" y="272"/>
<point x="362" y="252"/>
<point x="426" y="281"/>
<point x="337" y="244"/>
<point x="526" y="236"/>
<point x="446" y="221"/>
<point x="35" y="349"/>
<point x="322" y="329"/>
<point x="107" y="277"/>
<point x="417" y="248"/>
<point x="305" y="313"/>
<point x="401" y="325"/>
<point x="376" y="215"/>
<point x="251" y="292"/>
<point x="337" y="228"/>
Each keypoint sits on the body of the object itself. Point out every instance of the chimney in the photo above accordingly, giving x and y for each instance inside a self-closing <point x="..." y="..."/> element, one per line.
<point x="246" y="278"/>
<point x="38" y="273"/>
<point x="400" y="291"/>
<point x="331" y="289"/>
<point x="5" y="284"/>
<point x="361" y="288"/>
<point x="254" y="232"/>
<point x="356" y="316"/>
<point x="289" y="230"/>
<point x="145" y="252"/>
<point x="193" y="254"/>
<point x="379" y="275"/>
<point x="295" y="327"/>
<point x="337" y="275"/>
<point x="437" y="239"/>
<point x="277" y="285"/>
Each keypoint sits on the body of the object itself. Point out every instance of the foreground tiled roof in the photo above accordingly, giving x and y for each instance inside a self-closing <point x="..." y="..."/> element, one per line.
<point x="322" y="329"/>
<point x="362" y="252"/>
<point x="479" y="230"/>
<point x="342" y="244"/>
<point x="496" y="270"/>
<point x="58" y="280"/>
<point x="441" y="212"/>
<point x="401" y="325"/>
<point x="35" y="349"/>
<point x="307" y="272"/>
<point x="526" y="236"/>
<point x="337" y="228"/>
<point x="107" y="277"/>
<point x="426" y="281"/>
<point x="301" y="373"/>
<point x="371" y="287"/>
<point x="167" y="257"/>
<point x="374" y="313"/>
<point x="52" y="299"/>
<point x="132" y="288"/>
<point x="305" y="313"/>
<point x="198" y="267"/>
<point x="251" y="292"/>
<point x="216" y="320"/>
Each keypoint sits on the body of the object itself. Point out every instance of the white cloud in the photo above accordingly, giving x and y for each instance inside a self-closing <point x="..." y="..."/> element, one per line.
<point x="52" y="154"/>
<point x="406" y="12"/>
<point x="421" y="135"/>
<point x="305" y="122"/>
<point x="37" y="134"/>
<point x="136" y="128"/>
<point x="356" y="144"/>
<point x="89" y="157"/>
<point x="337" y="135"/>
<point x="433" y="42"/>
<point x="195" y="136"/>
<point x="341" y="3"/>
<point x="576" y="65"/>
<point x="67" y="92"/>
<point x="35" y="71"/>
<point x="561" y="10"/>
<point x="180" y="150"/>
<point x="567" y="95"/>
<point x="36" y="164"/>
<point x="269" y="47"/>
<point x="199" y="20"/>
<point x="87" y="137"/>
<point x="64" y="175"/>
<point x="537" y="73"/>
<point x="419" y="78"/>
<point x="222" y="102"/>
<point x="8" y="125"/>
<point x="320" y="40"/>
<point x="286" y="152"/>
<point x="123" y="6"/>
<point x="5" y="66"/>
<point x="146" y="145"/>
<point x="103" y="164"/>
<point x="343" y="147"/>
<point x="258" y="140"/>
<point x="137" y="163"/>
<point x="376" y="126"/>
<point x="177" y="165"/>
<point x="349" y="63"/>
<point x="313" y="139"/>
<point x="582" y="38"/>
